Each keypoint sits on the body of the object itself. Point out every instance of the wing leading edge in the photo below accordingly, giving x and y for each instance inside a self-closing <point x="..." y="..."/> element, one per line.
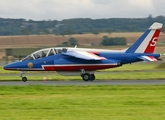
<point x="84" y="55"/>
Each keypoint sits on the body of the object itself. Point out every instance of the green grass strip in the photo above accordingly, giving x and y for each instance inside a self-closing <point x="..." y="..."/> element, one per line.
<point x="82" y="102"/>
<point x="101" y="76"/>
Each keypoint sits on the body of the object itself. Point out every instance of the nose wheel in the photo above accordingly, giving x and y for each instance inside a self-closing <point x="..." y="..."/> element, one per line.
<point x="24" y="79"/>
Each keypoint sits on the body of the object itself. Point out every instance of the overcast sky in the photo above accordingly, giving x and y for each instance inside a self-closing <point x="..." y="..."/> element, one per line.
<point x="65" y="9"/>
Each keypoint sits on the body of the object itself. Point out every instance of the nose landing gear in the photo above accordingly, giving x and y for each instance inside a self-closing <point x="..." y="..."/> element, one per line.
<point x="24" y="79"/>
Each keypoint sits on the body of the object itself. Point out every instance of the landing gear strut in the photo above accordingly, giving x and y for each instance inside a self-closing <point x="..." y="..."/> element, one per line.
<point x="24" y="79"/>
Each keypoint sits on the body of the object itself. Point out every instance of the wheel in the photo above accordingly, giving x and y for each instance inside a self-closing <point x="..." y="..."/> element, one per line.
<point x="92" y="77"/>
<point x="86" y="76"/>
<point x="24" y="79"/>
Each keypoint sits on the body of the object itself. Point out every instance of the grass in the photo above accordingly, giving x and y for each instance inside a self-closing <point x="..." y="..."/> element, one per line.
<point x="107" y="76"/>
<point x="82" y="102"/>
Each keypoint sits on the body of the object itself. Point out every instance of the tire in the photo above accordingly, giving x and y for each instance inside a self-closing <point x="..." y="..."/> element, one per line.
<point x="92" y="77"/>
<point x="24" y="79"/>
<point x="86" y="77"/>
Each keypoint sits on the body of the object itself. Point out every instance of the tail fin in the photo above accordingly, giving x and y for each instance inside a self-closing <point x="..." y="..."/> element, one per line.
<point x="147" y="42"/>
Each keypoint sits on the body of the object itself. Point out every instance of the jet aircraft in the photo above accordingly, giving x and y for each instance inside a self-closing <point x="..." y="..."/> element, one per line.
<point x="85" y="62"/>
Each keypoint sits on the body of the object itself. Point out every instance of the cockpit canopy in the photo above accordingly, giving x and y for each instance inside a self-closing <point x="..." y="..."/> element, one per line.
<point x="44" y="53"/>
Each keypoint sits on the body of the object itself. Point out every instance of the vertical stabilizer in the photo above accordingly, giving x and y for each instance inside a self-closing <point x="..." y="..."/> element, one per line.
<point x="147" y="42"/>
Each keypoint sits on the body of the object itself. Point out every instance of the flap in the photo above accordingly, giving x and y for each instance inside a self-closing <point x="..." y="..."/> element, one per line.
<point x="84" y="55"/>
<point x="148" y="58"/>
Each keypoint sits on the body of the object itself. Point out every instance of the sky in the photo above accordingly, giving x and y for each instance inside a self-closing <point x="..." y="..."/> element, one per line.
<point x="67" y="9"/>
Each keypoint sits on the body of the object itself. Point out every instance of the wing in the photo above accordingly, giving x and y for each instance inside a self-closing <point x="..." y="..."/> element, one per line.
<point x="148" y="58"/>
<point x="84" y="55"/>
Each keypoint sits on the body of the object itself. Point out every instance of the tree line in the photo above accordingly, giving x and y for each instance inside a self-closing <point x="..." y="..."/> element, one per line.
<point x="76" y="26"/>
<point x="106" y="41"/>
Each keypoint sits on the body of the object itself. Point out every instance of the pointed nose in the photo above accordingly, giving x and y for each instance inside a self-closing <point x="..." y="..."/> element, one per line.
<point x="8" y="67"/>
<point x="11" y="66"/>
<point x="5" y="67"/>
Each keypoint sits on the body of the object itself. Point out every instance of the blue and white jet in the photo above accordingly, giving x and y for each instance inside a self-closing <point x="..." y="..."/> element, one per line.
<point x="85" y="62"/>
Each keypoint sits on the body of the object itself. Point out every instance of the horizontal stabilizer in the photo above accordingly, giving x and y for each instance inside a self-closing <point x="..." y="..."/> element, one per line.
<point x="148" y="58"/>
<point x="84" y="55"/>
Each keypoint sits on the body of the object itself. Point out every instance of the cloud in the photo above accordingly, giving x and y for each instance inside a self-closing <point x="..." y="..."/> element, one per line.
<point x="158" y="7"/>
<point x="65" y="9"/>
<point x="106" y="2"/>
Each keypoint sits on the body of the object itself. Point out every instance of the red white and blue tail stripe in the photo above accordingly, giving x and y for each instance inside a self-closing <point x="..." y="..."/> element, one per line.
<point x="147" y="42"/>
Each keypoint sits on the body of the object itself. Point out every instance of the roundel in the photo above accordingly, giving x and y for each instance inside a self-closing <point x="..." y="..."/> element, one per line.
<point x="30" y="65"/>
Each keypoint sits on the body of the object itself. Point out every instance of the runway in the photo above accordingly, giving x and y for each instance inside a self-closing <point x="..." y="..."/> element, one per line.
<point x="83" y="83"/>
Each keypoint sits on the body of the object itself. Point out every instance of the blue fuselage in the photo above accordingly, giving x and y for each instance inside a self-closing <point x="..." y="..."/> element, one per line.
<point x="61" y="62"/>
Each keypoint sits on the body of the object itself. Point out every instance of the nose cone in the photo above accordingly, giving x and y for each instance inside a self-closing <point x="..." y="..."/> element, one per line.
<point x="12" y="66"/>
<point x="5" y="67"/>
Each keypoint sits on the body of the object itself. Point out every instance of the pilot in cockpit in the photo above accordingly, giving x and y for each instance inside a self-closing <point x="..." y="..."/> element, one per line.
<point x="37" y="56"/>
<point x="43" y="54"/>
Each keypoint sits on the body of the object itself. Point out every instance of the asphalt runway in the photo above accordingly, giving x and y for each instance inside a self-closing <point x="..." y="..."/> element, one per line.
<point x="83" y="83"/>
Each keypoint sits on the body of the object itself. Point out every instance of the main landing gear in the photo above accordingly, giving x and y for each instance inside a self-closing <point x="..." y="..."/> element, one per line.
<point x="86" y="76"/>
<point x="24" y="79"/>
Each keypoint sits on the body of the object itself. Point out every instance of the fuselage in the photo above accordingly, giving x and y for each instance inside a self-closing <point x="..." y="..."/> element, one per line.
<point x="60" y="62"/>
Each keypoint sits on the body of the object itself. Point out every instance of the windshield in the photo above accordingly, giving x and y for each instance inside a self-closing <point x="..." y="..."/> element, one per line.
<point x="44" y="53"/>
<point x="40" y="54"/>
<point x="29" y="57"/>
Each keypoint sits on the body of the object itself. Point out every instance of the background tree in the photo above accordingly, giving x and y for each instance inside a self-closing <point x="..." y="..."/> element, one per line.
<point x="65" y="43"/>
<point x="96" y="32"/>
<point x="47" y="31"/>
<point x="109" y="31"/>
<point x="25" y="31"/>
<point x="105" y="41"/>
<point x="69" y="32"/>
<point x="73" y="41"/>
<point x="163" y="30"/>
<point x="113" y="41"/>
<point x="80" y="25"/>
